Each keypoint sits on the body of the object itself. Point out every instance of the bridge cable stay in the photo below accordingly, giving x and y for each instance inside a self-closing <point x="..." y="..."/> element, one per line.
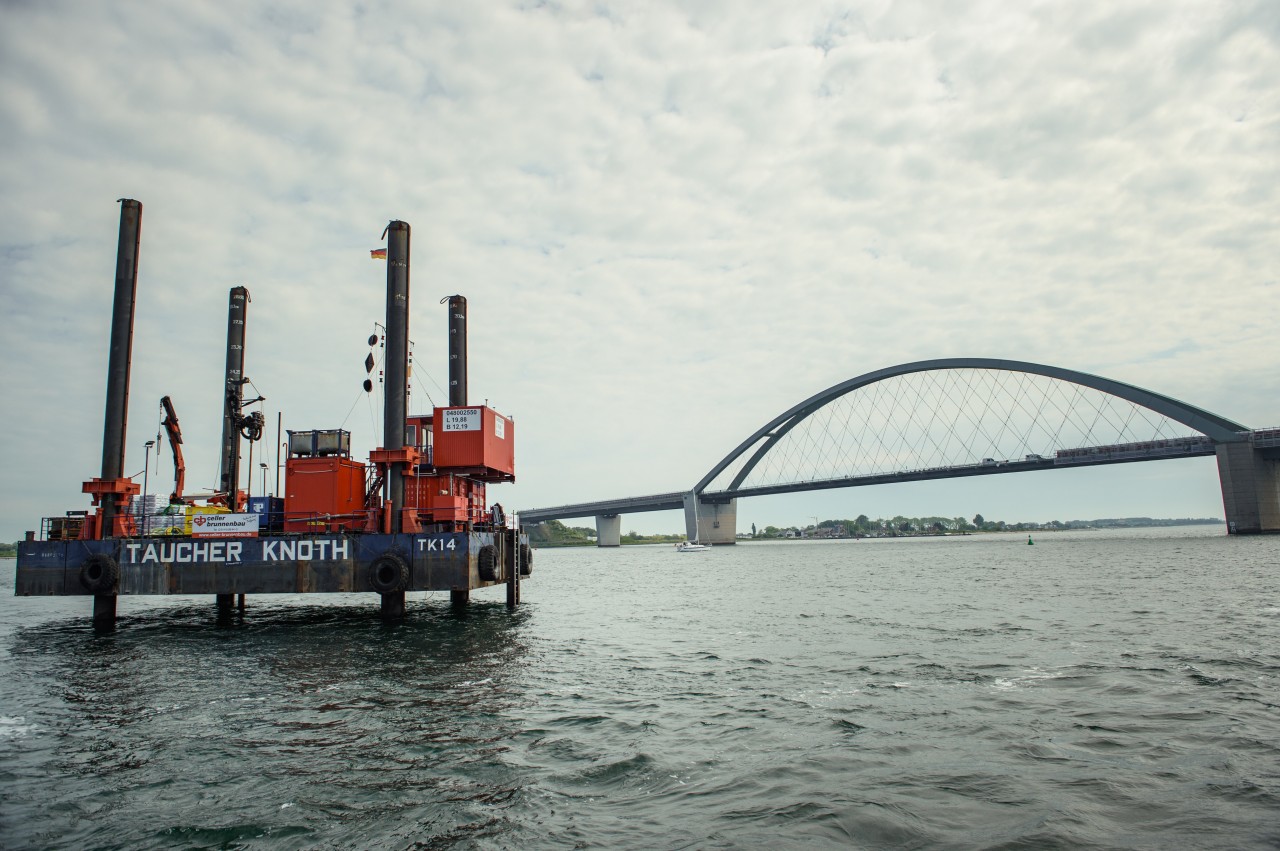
<point x="954" y="414"/>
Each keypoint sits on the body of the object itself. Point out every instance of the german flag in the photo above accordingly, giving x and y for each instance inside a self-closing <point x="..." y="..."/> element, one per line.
<point x="378" y="254"/>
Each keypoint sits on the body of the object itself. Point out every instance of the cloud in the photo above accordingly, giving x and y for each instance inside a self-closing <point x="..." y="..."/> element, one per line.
<point x="670" y="224"/>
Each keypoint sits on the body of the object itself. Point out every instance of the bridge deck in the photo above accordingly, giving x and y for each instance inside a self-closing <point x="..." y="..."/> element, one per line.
<point x="1190" y="447"/>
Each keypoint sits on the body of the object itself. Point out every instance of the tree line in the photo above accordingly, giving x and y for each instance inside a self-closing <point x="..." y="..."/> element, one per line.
<point x="900" y="525"/>
<point x="553" y="533"/>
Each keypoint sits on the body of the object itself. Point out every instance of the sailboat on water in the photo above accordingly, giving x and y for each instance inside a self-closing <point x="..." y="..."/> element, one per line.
<point x="693" y="546"/>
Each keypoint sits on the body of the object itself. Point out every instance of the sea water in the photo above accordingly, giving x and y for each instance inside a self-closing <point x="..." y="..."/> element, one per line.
<point x="1115" y="689"/>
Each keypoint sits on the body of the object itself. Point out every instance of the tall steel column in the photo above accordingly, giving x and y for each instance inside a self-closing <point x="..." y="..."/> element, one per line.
<point x="397" y="361"/>
<point x="458" y="387"/>
<point x="396" y="387"/>
<point x="457" y="351"/>
<point x="119" y="363"/>
<point x="229" y="477"/>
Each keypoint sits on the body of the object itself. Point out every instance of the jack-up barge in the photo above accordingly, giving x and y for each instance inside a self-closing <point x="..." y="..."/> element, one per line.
<point x="413" y="519"/>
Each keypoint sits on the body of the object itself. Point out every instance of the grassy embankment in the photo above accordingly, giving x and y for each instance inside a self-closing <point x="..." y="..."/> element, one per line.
<point x="553" y="533"/>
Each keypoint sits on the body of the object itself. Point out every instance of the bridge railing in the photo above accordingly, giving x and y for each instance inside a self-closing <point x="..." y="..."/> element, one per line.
<point x="1266" y="438"/>
<point x="1146" y="449"/>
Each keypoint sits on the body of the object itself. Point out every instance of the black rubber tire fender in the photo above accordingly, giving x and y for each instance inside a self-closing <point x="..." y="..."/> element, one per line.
<point x="389" y="573"/>
<point x="100" y="574"/>
<point x="488" y="563"/>
<point x="526" y="559"/>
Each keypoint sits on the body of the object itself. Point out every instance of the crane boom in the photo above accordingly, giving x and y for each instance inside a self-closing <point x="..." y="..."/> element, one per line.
<point x="174" y="431"/>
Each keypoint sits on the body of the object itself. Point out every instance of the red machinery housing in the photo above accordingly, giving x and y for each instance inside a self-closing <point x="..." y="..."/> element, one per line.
<point x="324" y="488"/>
<point x="456" y="451"/>
<point x="475" y="441"/>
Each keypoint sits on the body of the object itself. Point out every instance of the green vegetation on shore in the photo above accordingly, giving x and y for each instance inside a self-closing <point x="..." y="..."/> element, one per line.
<point x="9" y="550"/>
<point x="553" y="533"/>
<point x="899" y="526"/>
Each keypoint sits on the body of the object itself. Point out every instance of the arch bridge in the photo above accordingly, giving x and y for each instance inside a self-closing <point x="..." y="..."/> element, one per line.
<point x="957" y="417"/>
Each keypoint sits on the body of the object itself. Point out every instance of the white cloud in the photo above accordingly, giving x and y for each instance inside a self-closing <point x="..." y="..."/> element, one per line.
<point x="671" y="225"/>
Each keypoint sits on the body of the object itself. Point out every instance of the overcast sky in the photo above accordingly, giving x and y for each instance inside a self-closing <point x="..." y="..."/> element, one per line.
<point x="671" y="221"/>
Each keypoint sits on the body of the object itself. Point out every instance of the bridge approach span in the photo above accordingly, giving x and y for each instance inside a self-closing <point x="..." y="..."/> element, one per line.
<point x="606" y="507"/>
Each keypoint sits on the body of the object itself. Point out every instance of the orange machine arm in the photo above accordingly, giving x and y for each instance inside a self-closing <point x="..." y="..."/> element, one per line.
<point x="175" y="443"/>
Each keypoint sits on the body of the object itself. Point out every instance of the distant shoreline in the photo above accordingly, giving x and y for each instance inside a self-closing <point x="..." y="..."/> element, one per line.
<point x="1069" y="526"/>
<point x="553" y="533"/>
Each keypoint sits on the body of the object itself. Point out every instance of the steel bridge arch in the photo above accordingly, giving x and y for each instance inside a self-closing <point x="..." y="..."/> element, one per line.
<point x="1219" y="429"/>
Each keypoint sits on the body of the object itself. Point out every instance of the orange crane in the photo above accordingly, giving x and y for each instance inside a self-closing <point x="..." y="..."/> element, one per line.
<point x="172" y="428"/>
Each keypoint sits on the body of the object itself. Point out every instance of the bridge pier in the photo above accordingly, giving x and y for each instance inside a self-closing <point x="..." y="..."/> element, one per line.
<point x="710" y="522"/>
<point x="608" y="530"/>
<point x="1250" y="488"/>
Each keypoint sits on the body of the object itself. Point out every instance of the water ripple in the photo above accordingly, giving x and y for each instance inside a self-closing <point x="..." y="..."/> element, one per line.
<point x="1102" y="692"/>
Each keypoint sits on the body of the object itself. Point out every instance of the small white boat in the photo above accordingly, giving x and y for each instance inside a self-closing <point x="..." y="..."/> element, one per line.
<point x="691" y="547"/>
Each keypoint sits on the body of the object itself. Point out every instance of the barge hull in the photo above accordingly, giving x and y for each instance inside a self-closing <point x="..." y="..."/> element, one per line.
<point x="319" y="564"/>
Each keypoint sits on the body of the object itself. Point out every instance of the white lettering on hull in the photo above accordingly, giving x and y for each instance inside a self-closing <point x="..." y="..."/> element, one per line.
<point x="436" y="545"/>
<point x="232" y="552"/>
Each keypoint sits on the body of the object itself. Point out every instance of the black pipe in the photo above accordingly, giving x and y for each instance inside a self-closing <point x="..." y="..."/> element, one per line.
<point x="397" y="361"/>
<point x="279" y="424"/>
<point x="119" y="362"/>
<point x="457" y="351"/>
<point x="229" y="474"/>
<point x="104" y="611"/>
<point x="458" y="388"/>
